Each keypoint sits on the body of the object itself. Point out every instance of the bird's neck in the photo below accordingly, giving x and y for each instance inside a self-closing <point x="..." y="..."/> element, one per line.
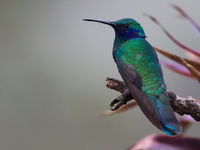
<point x="117" y="44"/>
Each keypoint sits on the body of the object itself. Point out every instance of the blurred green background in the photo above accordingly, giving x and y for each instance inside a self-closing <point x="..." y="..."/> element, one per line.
<point x="53" y="68"/>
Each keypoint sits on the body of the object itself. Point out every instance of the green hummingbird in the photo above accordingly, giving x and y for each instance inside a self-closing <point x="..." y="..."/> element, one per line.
<point x="139" y="67"/>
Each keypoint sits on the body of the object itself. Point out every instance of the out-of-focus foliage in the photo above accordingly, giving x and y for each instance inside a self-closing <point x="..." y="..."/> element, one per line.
<point x="192" y="63"/>
<point x="163" y="142"/>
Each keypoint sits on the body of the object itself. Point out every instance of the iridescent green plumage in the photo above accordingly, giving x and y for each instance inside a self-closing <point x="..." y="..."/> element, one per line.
<point x="138" y="52"/>
<point x="139" y="67"/>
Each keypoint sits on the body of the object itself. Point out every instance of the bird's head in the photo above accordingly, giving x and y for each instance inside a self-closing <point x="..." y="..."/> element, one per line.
<point x="125" y="28"/>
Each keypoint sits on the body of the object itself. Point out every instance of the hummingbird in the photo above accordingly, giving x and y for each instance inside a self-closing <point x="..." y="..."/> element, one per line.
<point x="139" y="67"/>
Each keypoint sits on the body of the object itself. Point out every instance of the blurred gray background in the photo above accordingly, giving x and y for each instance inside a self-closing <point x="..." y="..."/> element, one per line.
<point x="53" y="67"/>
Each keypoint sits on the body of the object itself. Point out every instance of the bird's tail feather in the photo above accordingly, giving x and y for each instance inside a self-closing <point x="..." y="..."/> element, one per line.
<point x="169" y="123"/>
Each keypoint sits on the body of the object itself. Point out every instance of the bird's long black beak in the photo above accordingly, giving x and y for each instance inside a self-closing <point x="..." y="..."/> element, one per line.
<point x="104" y="22"/>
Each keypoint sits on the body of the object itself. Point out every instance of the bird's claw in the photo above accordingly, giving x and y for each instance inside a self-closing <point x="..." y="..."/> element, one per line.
<point x="121" y="100"/>
<point x="116" y="104"/>
<point x="115" y="101"/>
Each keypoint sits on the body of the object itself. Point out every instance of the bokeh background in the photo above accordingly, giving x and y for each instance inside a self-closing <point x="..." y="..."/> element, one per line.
<point x="53" y="67"/>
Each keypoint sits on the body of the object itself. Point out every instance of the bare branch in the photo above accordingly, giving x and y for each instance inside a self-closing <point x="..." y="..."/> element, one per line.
<point x="116" y="85"/>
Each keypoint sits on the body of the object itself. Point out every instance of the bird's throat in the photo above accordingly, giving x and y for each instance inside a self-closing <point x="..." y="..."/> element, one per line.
<point x="117" y="44"/>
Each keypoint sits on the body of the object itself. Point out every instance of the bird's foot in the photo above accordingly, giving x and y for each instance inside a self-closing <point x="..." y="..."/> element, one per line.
<point x="116" y="104"/>
<point x="121" y="100"/>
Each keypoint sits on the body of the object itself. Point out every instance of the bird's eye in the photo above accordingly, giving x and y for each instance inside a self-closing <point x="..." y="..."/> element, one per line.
<point x="126" y="25"/>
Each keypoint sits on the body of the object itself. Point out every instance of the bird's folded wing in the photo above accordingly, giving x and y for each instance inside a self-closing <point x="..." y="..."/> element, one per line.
<point x="134" y="82"/>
